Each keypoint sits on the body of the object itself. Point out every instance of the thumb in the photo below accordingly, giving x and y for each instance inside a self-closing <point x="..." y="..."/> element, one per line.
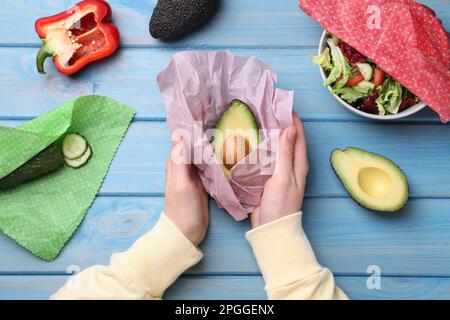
<point x="179" y="160"/>
<point x="286" y="148"/>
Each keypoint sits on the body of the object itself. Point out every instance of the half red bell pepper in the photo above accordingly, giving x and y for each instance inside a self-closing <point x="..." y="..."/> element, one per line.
<point x="77" y="37"/>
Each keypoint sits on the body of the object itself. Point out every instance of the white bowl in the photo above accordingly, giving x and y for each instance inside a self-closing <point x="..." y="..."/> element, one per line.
<point x="411" y="110"/>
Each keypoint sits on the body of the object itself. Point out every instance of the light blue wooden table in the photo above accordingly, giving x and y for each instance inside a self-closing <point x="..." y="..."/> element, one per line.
<point x="411" y="248"/>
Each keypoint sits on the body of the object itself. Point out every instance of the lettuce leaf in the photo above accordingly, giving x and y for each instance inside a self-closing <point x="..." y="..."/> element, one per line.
<point x="365" y="87"/>
<point x="361" y="90"/>
<point x="324" y="60"/>
<point x="349" y="94"/>
<point x="341" y="67"/>
<point x="390" y="97"/>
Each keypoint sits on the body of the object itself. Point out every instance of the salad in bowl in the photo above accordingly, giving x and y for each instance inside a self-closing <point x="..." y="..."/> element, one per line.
<point x="360" y="84"/>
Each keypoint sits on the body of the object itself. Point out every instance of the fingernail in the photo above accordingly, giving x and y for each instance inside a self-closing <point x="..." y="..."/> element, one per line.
<point x="291" y="134"/>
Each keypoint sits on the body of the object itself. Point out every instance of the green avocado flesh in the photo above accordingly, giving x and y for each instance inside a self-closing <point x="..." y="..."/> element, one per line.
<point x="236" y="135"/>
<point x="373" y="181"/>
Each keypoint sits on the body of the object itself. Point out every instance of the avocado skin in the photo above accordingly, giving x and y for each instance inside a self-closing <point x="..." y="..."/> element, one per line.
<point x="172" y="19"/>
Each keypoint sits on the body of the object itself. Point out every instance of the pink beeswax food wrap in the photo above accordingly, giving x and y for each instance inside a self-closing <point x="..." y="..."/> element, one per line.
<point x="196" y="88"/>
<point x="403" y="37"/>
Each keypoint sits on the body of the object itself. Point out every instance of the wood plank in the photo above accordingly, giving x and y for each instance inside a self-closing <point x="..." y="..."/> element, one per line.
<point x="346" y="238"/>
<point x="258" y="23"/>
<point x="130" y="77"/>
<point x="420" y="150"/>
<point x="284" y="25"/>
<point x="403" y="288"/>
<point x="232" y="288"/>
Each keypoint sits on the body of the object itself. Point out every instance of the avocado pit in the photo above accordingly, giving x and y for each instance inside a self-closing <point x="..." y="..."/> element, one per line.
<point x="235" y="148"/>
<point x="374" y="182"/>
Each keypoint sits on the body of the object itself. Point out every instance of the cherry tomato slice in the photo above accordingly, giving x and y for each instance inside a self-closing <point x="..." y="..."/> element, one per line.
<point x="378" y="77"/>
<point x="355" y="79"/>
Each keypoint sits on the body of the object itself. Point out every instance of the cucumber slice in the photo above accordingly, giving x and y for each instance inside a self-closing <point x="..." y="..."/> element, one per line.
<point x="366" y="70"/>
<point x="74" y="146"/>
<point x="81" y="161"/>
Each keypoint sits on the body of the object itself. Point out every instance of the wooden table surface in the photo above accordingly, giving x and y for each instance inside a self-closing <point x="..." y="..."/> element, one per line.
<point x="411" y="248"/>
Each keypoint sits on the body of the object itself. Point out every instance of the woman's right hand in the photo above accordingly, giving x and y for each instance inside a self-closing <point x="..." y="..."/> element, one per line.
<point x="186" y="202"/>
<point x="284" y="191"/>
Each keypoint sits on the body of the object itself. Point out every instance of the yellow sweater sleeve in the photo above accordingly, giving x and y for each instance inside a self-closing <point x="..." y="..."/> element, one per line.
<point x="288" y="263"/>
<point x="144" y="271"/>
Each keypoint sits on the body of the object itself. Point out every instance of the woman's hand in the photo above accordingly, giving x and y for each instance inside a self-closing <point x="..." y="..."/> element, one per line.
<point x="284" y="191"/>
<point x="186" y="202"/>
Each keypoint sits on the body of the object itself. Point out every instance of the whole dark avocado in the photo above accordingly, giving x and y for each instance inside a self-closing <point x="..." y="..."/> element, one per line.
<point x="172" y="19"/>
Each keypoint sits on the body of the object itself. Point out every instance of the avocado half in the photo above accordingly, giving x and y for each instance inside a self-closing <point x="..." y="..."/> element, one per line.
<point x="374" y="181"/>
<point x="236" y="135"/>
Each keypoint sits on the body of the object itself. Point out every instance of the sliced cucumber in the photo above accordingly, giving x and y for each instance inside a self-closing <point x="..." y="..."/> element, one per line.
<point x="74" y="146"/>
<point x="81" y="161"/>
<point x="366" y="70"/>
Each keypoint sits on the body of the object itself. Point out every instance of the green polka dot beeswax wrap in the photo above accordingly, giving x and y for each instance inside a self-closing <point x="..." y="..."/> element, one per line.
<point x="41" y="215"/>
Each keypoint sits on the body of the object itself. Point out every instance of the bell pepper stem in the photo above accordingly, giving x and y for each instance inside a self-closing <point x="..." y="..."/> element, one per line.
<point x="42" y="55"/>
